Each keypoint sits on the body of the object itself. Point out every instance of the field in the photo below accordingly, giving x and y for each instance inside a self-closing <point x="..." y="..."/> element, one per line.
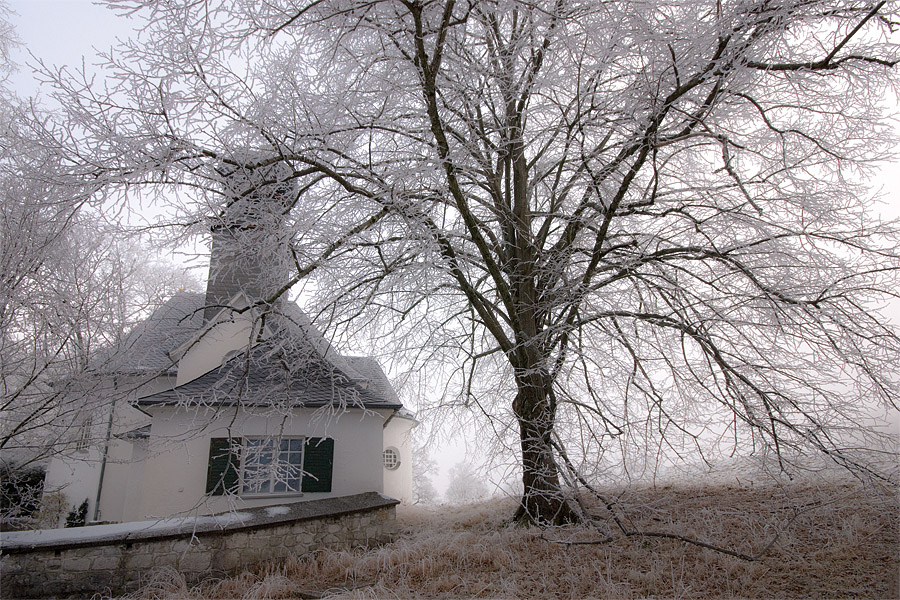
<point x="836" y="540"/>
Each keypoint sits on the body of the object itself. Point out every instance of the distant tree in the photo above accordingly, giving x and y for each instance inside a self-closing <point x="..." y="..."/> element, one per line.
<point x="632" y="223"/>
<point x="423" y="468"/>
<point x="465" y="484"/>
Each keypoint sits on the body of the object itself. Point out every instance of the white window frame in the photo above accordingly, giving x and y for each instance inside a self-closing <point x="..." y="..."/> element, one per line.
<point x="268" y="484"/>
<point x="83" y="439"/>
<point x="391" y="465"/>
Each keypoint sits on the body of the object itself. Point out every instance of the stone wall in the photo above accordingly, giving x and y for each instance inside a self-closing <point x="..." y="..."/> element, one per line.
<point x="200" y="548"/>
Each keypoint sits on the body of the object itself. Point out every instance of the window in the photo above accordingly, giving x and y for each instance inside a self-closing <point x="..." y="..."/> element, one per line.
<point x="83" y="438"/>
<point x="251" y="466"/>
<point x="391" y="458"/>
<point x="272" y="466"/>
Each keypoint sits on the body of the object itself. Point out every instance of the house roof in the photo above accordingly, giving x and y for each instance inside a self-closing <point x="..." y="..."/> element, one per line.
<point x="272" y="376"/>
<point x="372" y="376"/>
<point x="146" y="348"/>
<point x="294" y="366"/>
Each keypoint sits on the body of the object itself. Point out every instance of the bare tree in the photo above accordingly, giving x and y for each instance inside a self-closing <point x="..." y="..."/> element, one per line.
<point x="465" y="485"/>
<point x="594" y="221"/>
<point x="68" y="303"/>
<point x="424" y="467"/>
<point x="71" y="284"/>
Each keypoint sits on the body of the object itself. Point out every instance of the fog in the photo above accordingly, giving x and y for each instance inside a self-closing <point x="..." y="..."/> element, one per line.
<point x="64" y="33"/>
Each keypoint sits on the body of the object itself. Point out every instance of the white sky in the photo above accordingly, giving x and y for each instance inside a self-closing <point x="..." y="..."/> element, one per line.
<point x="61" y="32"/>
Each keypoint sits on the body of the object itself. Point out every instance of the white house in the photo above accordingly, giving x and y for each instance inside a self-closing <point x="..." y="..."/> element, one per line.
<point x="221" y="401"/>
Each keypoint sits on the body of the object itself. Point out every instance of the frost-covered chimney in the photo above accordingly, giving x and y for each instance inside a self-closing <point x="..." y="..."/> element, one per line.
<point x="250" y="250"/>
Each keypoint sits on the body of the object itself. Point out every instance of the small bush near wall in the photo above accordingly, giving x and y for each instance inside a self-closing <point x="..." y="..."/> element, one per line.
<point x="118" y="558"/>
<point x="54" y="506"/>
<point x="77" y="517"/>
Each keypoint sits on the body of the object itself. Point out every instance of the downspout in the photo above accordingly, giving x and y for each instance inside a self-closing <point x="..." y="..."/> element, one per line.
<point x="109" y="424"/>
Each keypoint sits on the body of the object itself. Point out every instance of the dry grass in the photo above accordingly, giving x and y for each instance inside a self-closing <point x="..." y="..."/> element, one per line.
<point x="834" y="541"/>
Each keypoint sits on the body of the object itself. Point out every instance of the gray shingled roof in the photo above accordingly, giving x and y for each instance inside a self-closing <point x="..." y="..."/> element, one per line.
<point x="267" y="377"/>
<point x="147" y="346"/>
<point x="295" y="366"/>
<point x="373" y="376"/>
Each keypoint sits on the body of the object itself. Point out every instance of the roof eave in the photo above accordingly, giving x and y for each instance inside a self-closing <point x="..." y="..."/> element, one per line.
<point x="148" y="402"/>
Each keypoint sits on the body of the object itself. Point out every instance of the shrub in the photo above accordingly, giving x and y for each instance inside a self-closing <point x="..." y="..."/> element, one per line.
<point x="77" y="517"/>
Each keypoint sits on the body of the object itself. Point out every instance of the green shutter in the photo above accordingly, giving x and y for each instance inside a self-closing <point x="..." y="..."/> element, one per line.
<point x="318" y="463"/>
<point x="224" y="462"/>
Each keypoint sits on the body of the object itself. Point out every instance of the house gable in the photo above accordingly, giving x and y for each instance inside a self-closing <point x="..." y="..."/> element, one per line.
<point x="233" y="329"/>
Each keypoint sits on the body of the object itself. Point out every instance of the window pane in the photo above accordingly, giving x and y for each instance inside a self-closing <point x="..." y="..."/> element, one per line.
<point x="258" y="457"/>
<point x="290" y="462"/>
<point x="272" y="466"/>
<point x="289" y="484"/>
<point x="391" y="458"/>
<point x="253" y="478"/>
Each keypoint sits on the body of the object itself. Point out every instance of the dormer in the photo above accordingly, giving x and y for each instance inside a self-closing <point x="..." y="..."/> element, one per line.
<point x="233" y="329"/>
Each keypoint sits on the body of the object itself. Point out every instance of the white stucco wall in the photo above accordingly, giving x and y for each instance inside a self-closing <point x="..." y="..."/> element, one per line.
<point x="118" y="480"/>
<point x="398" y="482"/>
<point x="174" y="474"/>
<point x="207" y="351"/>
<point x="76" y="473"/>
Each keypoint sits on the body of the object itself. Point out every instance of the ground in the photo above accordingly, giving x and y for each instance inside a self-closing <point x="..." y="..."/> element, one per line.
<point x="834" y="540"/>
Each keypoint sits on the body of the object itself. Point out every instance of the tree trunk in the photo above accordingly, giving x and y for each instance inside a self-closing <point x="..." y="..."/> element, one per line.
<point x="543" y="501"/>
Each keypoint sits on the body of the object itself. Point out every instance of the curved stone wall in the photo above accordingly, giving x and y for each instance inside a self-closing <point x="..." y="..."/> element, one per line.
<point x="113" y="559"/>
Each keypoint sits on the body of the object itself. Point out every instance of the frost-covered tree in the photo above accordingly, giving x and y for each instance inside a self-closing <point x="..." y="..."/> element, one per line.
<point x="71" y="282"/>
<point x="465" y="484"/>
<point x="423" y="469"/>
<point x="634" y="223"/>
<point x="70" y="291"/>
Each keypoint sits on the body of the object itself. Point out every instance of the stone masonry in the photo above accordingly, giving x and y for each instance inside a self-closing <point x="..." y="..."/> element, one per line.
<point x="198" y="550"/>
